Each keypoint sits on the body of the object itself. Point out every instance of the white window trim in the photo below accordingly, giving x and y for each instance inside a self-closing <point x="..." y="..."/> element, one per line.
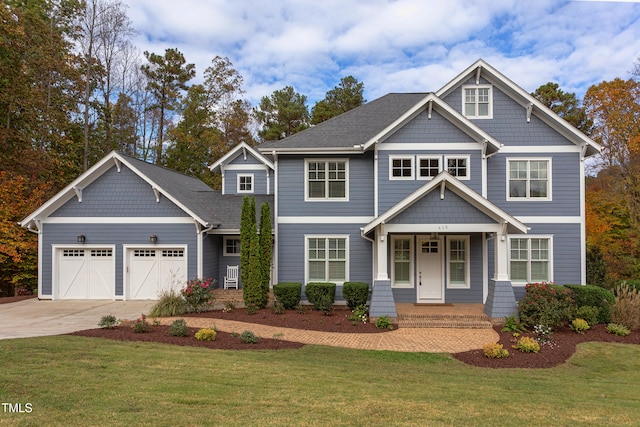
<point x="402" y="178"/>
<point x="326" y="236"/>
<point x="527" y="198"/>
<point x="426" y="178"/>
<point x="411" y="262"/>
<point x="529" y="237"/>
<point x="326" y="198"/>
<point x="245" y="175"/>
<point x="453" y="156"/>
<point x="467" y="279"/>
<point x="490" y="87"/>
<point x="224" y="245"/>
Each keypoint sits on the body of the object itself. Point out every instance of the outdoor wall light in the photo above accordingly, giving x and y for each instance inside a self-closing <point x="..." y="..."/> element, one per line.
<point x="153" y="238"/>
<point x="81" y="238"/>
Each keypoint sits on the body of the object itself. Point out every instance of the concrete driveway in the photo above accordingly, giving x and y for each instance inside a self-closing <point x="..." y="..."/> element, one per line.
<point x="33" y="318"/>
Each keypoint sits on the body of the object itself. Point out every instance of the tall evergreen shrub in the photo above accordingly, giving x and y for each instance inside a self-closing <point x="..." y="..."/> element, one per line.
<point x="266" y="245"/>
<point x="247" y="220"/>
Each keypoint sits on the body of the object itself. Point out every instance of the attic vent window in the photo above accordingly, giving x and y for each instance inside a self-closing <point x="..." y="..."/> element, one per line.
<point x="477" y="102"/>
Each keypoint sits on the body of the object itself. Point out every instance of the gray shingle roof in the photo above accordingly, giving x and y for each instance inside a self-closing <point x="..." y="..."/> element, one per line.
<point x="221" y="211"/>
<point x="352" y="128"/>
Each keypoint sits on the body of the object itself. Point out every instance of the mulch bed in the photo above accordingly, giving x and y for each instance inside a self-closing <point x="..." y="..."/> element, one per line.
<point x="160" y="334"/>
<point x="6" y="300"/>
<point x="562" y="346"/>
<point x="308" y="319"/>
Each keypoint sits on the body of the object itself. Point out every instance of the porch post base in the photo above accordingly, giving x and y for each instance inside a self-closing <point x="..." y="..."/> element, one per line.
<point x="382" y="302"/>
<point x="501" y="301"/>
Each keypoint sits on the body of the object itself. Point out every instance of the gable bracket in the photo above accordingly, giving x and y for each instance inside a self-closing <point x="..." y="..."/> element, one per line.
<point x="478" y="75"/>
<point x="442" y="184"/>
<point x="430" y="109"/>
<point x="503" y="233"/>
<point x="156" y="192"/>
<point x="78" y="192"/>
<point x="583" y="151"/>
<point x="244" y="153"/>
<point x="529" y="111"/>
<point x="118" y="164"/>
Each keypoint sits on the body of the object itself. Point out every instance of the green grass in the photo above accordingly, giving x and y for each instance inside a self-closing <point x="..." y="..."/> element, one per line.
<point x="84" y="381"/>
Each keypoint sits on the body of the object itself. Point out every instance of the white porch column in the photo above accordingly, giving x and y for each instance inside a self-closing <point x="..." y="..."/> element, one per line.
<point x="381" y="253"/>
<point x="501" y="267"/>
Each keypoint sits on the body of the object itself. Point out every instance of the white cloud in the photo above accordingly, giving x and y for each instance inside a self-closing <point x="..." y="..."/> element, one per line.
<point x="395" y="46"/>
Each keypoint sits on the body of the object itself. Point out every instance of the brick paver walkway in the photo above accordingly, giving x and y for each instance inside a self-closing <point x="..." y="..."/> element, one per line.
<point x="432" y="340"/>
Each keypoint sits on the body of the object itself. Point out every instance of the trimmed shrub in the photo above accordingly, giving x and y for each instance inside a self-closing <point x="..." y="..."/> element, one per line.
<point x="626" y="309"/>
<point x="288" y="293"/>
<point x="579" y="325"/>
<point x="588" y="313"/>
<point x="170" y="304"/>
<point x="619" y="330"/>
<point x="495" y="351"/>
<point x="108" y="322"/>
<point x="383" y="322"/>
<point x="545" y="304"/>
<point x="249" y="337"/>
<point x="179" y="328"/>
<point x="355" y="293"/>
<point x="317" y="293"/>
<point x="595" y="296"/>
<point x="527" y="345"/>
<point x="206" y="334"/>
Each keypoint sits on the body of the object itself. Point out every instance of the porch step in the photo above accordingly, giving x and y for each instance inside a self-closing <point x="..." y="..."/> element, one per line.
<point x="461" y="321"/>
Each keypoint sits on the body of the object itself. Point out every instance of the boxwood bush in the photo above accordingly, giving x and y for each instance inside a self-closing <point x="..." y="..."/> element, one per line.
<point x="288" y="294"/>
<point x="594" y="296"/>
<point x="355" y="293"/>
<point x="317" y="292"/>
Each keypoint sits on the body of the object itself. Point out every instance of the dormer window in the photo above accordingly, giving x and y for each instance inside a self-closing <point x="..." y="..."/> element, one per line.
<point x="477" y="102"/>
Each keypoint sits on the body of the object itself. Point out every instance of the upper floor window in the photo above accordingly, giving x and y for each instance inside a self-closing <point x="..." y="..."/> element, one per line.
<point x="428" y="167"/>
<point x="458" y="166"/>
<point x="529" y="179"/>
<point x="245" y="183"/>
<point x="401" y="168"/>
<point x="477" y="102"/>
<point x="327" y="180"/>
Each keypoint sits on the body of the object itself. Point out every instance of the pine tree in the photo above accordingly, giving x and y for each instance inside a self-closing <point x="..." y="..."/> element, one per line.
<point x="266" y="244"/>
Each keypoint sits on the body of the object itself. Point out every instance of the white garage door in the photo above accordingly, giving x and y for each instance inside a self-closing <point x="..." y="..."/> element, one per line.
<point x="86" y="273"/>
<point x="153" y="270"/>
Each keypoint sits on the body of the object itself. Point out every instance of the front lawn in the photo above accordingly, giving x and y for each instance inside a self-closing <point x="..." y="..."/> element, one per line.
<point x="86" y="381"/>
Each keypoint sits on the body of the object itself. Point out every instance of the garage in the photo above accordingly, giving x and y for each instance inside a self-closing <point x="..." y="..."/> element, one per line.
<point x="85" y="273"/>
<point x="153" y="270"/>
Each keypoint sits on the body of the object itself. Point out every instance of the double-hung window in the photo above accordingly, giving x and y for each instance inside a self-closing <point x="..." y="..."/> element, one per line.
<point x="530" y="259"/>
<point x="327" y="259"/>
<point x="402" y="261"/>
<point x="458" y="166"/>
<point x="327" y="179"/>
<point x="529" y="179"/>
<point x="477" y="102"/>
<point x="400" y="167"/>
<point x="231" y="246"/>
<point x="458" y="262"/>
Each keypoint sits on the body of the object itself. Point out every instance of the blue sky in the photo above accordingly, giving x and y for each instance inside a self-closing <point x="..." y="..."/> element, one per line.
<point x="395" y="45"/>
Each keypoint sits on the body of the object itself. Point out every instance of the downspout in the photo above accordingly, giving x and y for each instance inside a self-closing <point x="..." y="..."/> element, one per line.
<point x="275" y="216"/>
<point x="373" y="255"/>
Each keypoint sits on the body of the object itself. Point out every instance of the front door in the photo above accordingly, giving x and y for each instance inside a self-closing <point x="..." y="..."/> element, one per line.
<point x="430" y="278"/>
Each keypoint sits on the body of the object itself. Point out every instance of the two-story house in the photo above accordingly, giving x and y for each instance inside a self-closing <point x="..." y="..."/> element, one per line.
<point x="462" y="195"/>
